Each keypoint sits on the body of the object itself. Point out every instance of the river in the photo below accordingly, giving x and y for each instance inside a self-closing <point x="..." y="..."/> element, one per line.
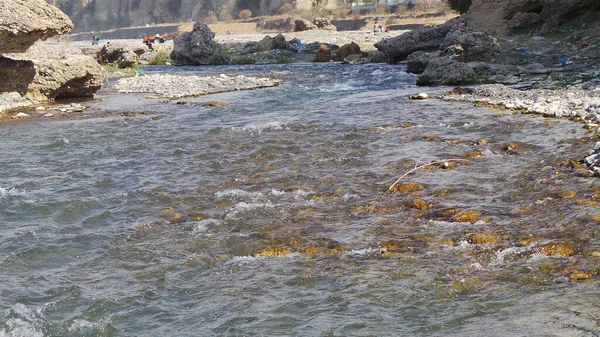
<point x="269" y="217"/>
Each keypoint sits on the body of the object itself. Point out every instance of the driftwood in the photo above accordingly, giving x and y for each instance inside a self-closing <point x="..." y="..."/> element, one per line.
<point x="417" y="166"/>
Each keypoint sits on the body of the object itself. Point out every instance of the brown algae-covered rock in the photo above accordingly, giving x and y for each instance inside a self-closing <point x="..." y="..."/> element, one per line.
<point x="406" y="188"/>
<point x="484" y="238"/>
<point x="443" y="191"/>
<point x="587" y="202"/>
<point x="417" y="204"/>
<point x="562" y="249"/>
<point x="272" y="252"/>
<point x="473" y="154"/>
<point x="579" y="275"/>
<point x="467" y="216"/>
<point x="567" y="194"/>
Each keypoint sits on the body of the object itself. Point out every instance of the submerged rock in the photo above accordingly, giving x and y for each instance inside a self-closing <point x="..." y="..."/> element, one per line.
<point x="467" y="216"/>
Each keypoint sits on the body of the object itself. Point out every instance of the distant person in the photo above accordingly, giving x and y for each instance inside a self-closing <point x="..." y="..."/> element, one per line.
<point x="387" y="29"/>
<point x="375" y="27"/>
<point x="95" y="40"/>
<point x="380" y="28"/>
<point x="149" y="44"/>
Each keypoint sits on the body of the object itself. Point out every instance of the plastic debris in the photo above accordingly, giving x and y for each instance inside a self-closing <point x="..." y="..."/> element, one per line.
<point x="564" y="61"/>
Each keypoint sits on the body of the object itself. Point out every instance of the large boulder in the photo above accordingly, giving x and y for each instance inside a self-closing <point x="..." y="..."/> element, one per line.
<point x="323" y="23"/>
<point x="398" y="48"/>
<point x="301" y="25"/>
<point x="196" y="47"/>
<point x="57" y="73"/>
<point x="351" y="48"/>
<point x="475" y="45"/>
<point x="448" y="71"/>
<point x="22" y="22"/>
<point x="323" y="54"/>
<point x="417" y="62"/>
<point x="121" y="54"/>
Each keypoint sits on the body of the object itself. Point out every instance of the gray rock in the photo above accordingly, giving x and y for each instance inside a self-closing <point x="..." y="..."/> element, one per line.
<point x="23" y="22"/>
<point x="535" y="69"/>
<point x="476" y="46"/>
<point x="448" y="71"/>
<point x="417" y="62"/>
<point x="524" y="20"/>
<point x="353" y="59"/>
<point x="120" y="54"/>
<point x="266" y="44"/>
<point x="196" y="47"/>
<point x="398" y="48"/>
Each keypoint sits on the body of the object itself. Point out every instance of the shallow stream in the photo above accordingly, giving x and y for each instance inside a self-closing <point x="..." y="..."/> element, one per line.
<point x="269" y="217"/>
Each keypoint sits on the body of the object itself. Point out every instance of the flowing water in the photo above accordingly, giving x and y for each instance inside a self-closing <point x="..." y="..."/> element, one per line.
<point x="268" y="217"/>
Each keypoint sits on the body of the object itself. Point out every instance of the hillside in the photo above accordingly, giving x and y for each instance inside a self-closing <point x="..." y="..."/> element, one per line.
<point x="90" y="15"/>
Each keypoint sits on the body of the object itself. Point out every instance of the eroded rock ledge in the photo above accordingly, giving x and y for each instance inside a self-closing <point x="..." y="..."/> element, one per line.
<point x="23" y="22"/>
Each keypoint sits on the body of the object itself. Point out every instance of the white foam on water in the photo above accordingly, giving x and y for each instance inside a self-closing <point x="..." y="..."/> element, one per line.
<point x="346" y="86"/>
<point x="247" y="259"/>
<point x="239" y="193"/>
<point x="24" y="322"/>
<point x="377" y="72"/>
<point x="501" y="254"/>
<point x="277" y="193"/>
<point x="242" y="207"/>
<point x="301" y="194"/>
<point x="260" y="127"/>
<point x="348" y="196"/>
<point x="365" y="251"/>
<point x="81" y="324"/>
<point x="203" y="225"/>
<point x="11" y="192"/>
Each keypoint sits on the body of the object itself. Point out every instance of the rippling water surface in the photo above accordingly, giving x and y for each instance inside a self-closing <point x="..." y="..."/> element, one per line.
<point x="268" y="217"/>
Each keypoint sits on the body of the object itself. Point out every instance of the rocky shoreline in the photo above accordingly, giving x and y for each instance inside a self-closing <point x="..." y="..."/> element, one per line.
<point x="177" y="86"/>
<point x="579" y="105"/>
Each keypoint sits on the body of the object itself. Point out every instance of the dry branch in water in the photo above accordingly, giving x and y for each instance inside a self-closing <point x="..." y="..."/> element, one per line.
<point x="421" y="166"/>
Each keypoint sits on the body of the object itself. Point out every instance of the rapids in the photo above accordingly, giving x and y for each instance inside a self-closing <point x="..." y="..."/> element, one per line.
<point x="269" y="217"/>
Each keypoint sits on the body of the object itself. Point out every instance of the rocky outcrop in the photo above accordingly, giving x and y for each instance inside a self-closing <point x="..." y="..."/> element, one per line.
<point x="196" y="47"/>
<point x="22" y="22"/>
<point x="17" y="75"/>
<point x="398" y="48"/>
<point x="40" y="72"/>
<point x="57" y="73"/>
<point x="501" y="15"/>
<point x="474" y="45"/>
<point x="266" y="44"/>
